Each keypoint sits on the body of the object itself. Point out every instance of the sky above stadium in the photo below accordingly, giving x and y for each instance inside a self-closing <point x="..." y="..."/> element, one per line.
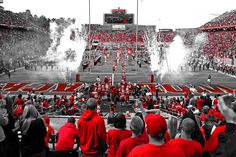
<point x="163" y="13"/>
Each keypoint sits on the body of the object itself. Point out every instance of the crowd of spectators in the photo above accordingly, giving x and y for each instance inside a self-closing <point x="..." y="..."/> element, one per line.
<point x="21" y="37"/>
<point x="166" y="37"/>
<point x="8" y="18"/>
<point x="201" y="120"/>
<point x="221" y="44"/>
<point x="117" y="36"/>
<point x="228" y="19"/>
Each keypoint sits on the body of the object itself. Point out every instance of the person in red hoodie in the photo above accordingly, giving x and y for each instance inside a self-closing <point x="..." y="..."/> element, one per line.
<point x="115" y="136"/>
<point x="50" y="132"/>
<point x="200" y="102"/>
<point x="190" y="147"/>
<point x="67" y="135"/>
<point x="92" y="131"/>
<point x="19" y="100"/>
<point x="137" y="138"/>
<point x="156" y="129"/>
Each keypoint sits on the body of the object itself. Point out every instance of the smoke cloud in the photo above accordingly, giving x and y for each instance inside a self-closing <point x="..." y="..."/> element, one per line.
<point x="68" y="45"/>
<point x="170" y="58"/>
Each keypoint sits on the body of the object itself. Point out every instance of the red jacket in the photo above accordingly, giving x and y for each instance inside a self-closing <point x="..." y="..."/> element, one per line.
<point x="114" y="137"/>
<point x="66" y="137"/>
<point x="92" y="133"/>
<point x="128" y="144"/>
<point x="191" y="148"/>
<point x="199" y="103"/>
<point x="151" y="150"/>
<point x="20" y="101"/>
<point x="19" y="110"/>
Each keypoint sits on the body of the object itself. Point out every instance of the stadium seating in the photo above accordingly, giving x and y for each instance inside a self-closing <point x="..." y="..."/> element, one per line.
<point x="228" y="19"/>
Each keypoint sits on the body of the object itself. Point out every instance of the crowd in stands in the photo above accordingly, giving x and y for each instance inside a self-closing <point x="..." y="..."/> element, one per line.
<point x="228" y="19"/>
<point x="117" y="36"/>
<point x="207" y="125"/>
<point x="166" y="37"/>
<point x="9" y="18"/>
<point x="221" y="44"/>
<point x="22" y="36"/>
<point x="202" y="120"/>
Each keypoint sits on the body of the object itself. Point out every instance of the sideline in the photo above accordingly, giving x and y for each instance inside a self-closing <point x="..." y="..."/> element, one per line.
<point x="20" y="68"/>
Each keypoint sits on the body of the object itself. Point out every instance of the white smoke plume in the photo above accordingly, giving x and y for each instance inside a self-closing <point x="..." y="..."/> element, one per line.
<point x="153" y="49"/>
<point x="177" y="54"/>
<point x="65" y="50"/>
<point x="170" y="58"/>
<point x="200" y="40"/>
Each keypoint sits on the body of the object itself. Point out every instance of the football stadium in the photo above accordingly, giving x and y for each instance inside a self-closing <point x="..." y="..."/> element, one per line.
<point x="117" y="87"/>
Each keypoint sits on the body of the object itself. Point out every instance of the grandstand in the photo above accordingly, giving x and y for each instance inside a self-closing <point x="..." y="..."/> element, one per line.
<point x="115" y="68"/>
<point x="108" y="39"/>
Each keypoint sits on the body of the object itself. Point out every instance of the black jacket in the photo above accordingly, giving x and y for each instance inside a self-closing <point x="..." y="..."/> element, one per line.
<point x="227" y="142"/>
<point x="33" y="142"/>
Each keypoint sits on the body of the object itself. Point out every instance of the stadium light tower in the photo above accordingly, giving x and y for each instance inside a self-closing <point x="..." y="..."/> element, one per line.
<point x="90" y="60"/>
<point x="136" y="48"/>
<point x="89" y="17"/>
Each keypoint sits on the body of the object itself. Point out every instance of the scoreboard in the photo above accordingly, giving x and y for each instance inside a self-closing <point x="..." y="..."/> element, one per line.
<point x="118" y="16"/>
<point x="119" y="19"/>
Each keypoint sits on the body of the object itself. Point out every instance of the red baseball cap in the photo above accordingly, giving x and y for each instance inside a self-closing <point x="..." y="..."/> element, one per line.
<point x="155" y="124"/>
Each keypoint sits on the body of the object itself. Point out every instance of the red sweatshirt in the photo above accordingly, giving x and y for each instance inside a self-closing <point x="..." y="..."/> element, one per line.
<point x="128" y="144"/>
<point x="20" y="101"/>
<point x="151" y="150"/>
<point x="66" y="137"/>
<point x="199" y="103"/>
<point x="191" y="148"/>
<point x="92" y="133"/>
<point x="114" y="137"/>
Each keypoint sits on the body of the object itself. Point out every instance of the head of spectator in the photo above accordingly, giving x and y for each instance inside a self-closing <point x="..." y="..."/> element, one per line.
<point x="205" y="109"/>
<point x="20" y="96"/>
<point x="136" y="126"/>
<point x="71" y="120"/>
<point x="120" y="121"/>
<point x="196" y="134"/>
<point x="141" y="116"/>
<point x="30" y="113"/>
<point x="156" y="127"/>
<point x="91" y="104"/>
<point x="187" y="128"/>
